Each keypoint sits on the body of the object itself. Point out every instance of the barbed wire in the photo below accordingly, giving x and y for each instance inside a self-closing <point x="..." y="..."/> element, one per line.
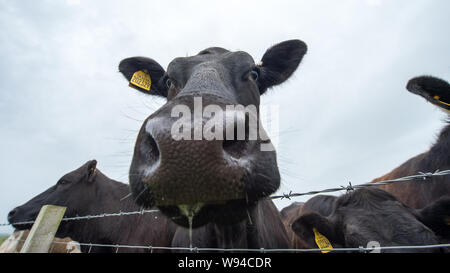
<point x="253" y="250"/>
<point x="267" y="250"/>
<point x="420" y="175"/>
<point x="88" y="217"/>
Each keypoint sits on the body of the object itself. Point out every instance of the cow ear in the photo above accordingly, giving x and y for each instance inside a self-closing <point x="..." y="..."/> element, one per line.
<point x="279" y="62"/>
<point x="436" y="216"/>
<point x="145" y="75"/>
<point x="313" y="227"/>
<point x="434" y="90"/>
<point x="91" y="170"/>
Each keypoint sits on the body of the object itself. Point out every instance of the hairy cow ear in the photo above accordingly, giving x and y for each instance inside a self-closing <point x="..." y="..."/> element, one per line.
<point x="91" y="170"/>
<point x="315" y="229"/>
<point x="279" y="62"/>
<point x="436" y="216"/>
<point x="144" y="74"/>
<point x="434" y="90"/>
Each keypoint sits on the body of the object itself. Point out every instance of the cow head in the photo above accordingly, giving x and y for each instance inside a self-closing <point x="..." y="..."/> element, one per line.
<point x="189" y="159"/>
<point x="434" y="90"/>
<point x="374" y="215"/>
<point x="73" y="188"/>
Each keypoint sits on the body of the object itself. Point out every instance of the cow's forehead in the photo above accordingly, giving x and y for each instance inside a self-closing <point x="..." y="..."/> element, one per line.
<point x="212" y="54"/>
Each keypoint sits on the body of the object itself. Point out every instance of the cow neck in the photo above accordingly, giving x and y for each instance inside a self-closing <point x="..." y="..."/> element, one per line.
<point x="240" y="235"/>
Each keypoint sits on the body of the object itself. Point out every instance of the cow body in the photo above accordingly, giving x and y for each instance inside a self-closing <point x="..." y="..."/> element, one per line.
<point x="87" y="191"/>
<point x="419" y="193"/>
<point x="372" y="216"/>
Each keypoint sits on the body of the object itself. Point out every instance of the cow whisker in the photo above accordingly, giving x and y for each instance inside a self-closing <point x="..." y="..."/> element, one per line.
<point x="262" y="175"/>
<point x="144" y="190"/>
<point x="126" y="196"/>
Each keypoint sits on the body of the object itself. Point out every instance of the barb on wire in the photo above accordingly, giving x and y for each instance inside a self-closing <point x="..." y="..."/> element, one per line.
<point x="287" y="196"/>
<point x="420" y="175"/>
<point x="349" y="187"/>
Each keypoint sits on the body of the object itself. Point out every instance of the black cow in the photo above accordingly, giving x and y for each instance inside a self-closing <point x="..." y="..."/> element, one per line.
<point x="322" y="204"/>
<point x="219" y="180"/>
<point x="373" y="215"/>
<point x="87" y="191"/>
<point x="418" y="194"/>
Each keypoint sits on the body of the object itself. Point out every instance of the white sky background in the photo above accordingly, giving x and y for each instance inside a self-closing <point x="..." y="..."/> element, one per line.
<point x="344" y="116"/>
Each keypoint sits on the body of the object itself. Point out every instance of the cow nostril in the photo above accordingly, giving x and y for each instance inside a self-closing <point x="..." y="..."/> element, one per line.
<point x="236" y="145"/>
<point x="243" y="131"/>
<point x="150" y="148"/>
<point x="11" y="214"/>
<point x="235" y="148"/>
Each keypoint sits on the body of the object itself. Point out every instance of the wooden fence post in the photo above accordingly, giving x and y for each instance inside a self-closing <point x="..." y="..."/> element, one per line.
<point x="44" y="229"/>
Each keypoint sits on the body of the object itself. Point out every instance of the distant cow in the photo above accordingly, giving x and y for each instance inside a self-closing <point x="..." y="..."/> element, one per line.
<point x="419" y="193"/>
<point x="373" y="215"/>
<point x="87" y="191"/>
<point x="197" y="169"/>
<point x="15" y="242"/>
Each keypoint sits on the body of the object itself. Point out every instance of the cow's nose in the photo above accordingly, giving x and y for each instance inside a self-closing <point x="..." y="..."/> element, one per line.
<point x="205" y="168"/>
<point x="11" y="215"/>
<point x="220" y="139"/>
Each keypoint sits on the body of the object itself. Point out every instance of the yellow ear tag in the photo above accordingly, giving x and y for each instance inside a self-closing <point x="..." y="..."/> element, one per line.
<point x="438" y="99"/>
<point x="141" y="79"/>
<point x="322" y="241"/>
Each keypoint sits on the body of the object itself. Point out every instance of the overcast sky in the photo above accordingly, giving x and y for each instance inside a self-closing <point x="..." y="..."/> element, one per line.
<point x="345" y="115"/>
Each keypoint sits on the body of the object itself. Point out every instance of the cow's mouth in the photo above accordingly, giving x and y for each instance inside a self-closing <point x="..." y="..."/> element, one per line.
<point x="206" y="209"/>
<point x="20" y="221"/>
<point x="193" y="216"/>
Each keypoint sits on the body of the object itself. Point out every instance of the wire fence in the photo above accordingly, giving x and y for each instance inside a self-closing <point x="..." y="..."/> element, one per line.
<point x="420" y="176"/>
<point x="361" y="249"/>
<point x="88" y="217"/>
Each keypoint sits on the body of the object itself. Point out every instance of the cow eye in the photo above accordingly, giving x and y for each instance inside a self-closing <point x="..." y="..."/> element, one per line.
<point x="168" y="82"/>
<point x="254" y="74"/>
<point x="63" y="182"/>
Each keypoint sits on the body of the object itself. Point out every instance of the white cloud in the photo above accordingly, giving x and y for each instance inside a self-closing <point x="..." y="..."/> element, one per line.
<point x="73" y="2"/>
<point x="376" y="3"/>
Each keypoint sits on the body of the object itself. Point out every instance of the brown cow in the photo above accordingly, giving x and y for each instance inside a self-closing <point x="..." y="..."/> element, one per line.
<point x="419" y="193"/>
